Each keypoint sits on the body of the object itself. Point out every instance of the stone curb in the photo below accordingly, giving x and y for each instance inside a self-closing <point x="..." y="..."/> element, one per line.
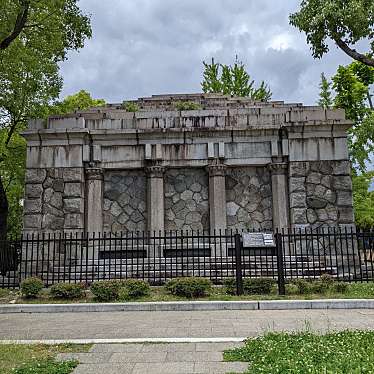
<point x="190" y="306"/>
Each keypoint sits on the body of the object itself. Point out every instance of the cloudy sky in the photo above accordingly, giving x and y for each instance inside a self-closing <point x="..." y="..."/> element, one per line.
<point x="145" y="47"/>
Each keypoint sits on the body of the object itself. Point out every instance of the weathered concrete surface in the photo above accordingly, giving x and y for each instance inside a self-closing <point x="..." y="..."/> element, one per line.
<point x="112" y="325"/>
<point x="155" y="358"/>
<point x="185" y="306"/>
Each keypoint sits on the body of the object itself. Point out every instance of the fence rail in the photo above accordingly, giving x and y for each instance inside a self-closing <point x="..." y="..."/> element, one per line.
<point x="347" y="255"/>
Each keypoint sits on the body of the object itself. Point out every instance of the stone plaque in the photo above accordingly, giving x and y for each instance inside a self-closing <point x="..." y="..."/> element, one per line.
<point x="258" y="239"/>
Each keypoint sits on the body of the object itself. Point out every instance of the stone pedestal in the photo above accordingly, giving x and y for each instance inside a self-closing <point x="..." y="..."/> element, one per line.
<point x="155" y="198"/>
<point x="217" y="197"/>
<point x="94" y="200"/>
<point x="280" y="195"/>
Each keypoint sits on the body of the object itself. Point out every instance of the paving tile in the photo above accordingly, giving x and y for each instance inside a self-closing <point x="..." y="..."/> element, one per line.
<point x="194" y="357"/>
<point x="219" y="367"/>
<point x="213" y="347"/>
<point x="142" y="357"/>
<point x="125" y="368"/>
<point x="177" y="347"/>
<point x="164" y="368"/>
<point x="104" y="348"/>
<point x="85" y="358"/>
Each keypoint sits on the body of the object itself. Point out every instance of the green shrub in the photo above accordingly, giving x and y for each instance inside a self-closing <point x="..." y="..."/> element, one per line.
<point x="258" y="286"/>
<point x="67" y="291"/>
<point x="133" y="288"/>
<point x="319" y="287"/>
<point x="291" y="289"/>
<point x="327" y="279"/>
<point x="106" y="290"/>
<point x="31" y="287"/>
<point x="230" y="286"/>
<point x="130" y="107"/>
<point x="187" y="105"/>
<point x="341" y="287"/>
<point x="304" y="287"/>
<point x="189" y="287"/>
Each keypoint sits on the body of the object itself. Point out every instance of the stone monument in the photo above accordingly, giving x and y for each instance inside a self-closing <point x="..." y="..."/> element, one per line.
<point x="233" y="164"/>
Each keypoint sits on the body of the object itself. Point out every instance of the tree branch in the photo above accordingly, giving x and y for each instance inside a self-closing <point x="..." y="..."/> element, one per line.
<point x="18" y="26"/>
<point x="353" y="53"/>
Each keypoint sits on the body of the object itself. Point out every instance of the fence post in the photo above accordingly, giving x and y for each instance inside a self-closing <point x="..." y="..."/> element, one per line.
<point x="280" y="265"/>
<point x="238" y="264"/>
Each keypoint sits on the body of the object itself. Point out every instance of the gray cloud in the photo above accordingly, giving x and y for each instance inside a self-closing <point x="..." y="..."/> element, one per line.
<point x="145" y="47"/>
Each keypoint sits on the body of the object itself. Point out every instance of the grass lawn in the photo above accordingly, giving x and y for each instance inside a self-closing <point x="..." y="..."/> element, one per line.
<point x="354" y="291"/>
<point x="347" y="352"/>
<point x="37" y="359"/>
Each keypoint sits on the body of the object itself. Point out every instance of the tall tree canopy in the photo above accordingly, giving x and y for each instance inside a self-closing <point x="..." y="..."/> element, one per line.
<point x="35" y="35"/>
<point x="346" y="22"/>
<point x="232" y="80"/>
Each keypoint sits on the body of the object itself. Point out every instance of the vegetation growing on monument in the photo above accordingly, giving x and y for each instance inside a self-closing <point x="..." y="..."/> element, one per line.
<point x="130" y="107"/>
<point x="34" y="37"/>
<point x="345" y="22"/>
<point x="232" y="80"/>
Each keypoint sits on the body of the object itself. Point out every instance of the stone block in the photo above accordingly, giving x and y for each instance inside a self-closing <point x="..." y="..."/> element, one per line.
<point x="298" y="216"/>
<point x="72" y="174"/>
<point x="342" y="168"/>
<point x="58" y="185"/>
<point x="297" y="184"/>
<point x="316" y="202"/>
<point x="344" y="198"/>
<point x="73" y="189"/>
<point x="298" y="200"/>
<point x="314" y="178"/>
<point x="346" y="215"/>
<point x="342" y="183"/>
<point x="33" y="190"/>
<point x="32" y="221"/>
<point x="299" y="169"/>
<point x="33" y="206"/>
<point x="51" y="222"/>
<point x="73" y="221"/>
<point x="73" y="205"/>
<point x="35" y="176"/>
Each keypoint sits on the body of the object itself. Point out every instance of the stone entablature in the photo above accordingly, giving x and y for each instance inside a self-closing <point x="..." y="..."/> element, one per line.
<point x="289" y="161"/>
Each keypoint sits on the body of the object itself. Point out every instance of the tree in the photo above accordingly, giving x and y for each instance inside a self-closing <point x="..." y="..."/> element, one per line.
<point x="232" y="80"/>
<point x="80" y="101"/>
<point x="352" y="86"/>
<point x="325" y="96"/>
<point x="363" y="200"/>
<point x="346" y="22"/>
<point x="35" y="35"/>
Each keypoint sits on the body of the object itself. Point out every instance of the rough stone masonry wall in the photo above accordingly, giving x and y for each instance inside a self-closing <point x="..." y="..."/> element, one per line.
<point x="186" y="199"/>
<point x="249" y="198"/>
<point x="321" y="193"/>
<point x="125" y="201"/>
<point x="54" y="199"/>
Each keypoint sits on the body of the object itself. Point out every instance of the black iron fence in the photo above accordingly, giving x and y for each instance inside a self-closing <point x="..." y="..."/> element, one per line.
<point x="347" y="255"/>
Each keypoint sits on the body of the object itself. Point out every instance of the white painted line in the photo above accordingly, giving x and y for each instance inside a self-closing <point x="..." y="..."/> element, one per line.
<point x="125" y="341"/>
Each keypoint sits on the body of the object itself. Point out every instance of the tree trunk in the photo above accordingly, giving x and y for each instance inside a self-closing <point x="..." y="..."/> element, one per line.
<point x="4" y="257"/>
<point x="3" y="211"/>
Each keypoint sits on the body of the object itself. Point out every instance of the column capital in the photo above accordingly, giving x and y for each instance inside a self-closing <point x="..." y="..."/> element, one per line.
<point x="94" y="173"/>
<point x="155" y="171"/>
<point x="216" y="169"/>
<point x="278" y="168"/>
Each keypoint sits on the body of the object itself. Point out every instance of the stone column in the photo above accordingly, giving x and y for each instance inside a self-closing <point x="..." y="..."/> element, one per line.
<point x="217" y="197"/>
<point x="94" y="200"/>
<point x="155" y="198"/>
<point x="280" y="194"/>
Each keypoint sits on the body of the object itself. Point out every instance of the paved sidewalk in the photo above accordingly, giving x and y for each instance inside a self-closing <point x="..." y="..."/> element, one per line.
<point x="182" y="358"/>
<point x="199" y="324"/>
